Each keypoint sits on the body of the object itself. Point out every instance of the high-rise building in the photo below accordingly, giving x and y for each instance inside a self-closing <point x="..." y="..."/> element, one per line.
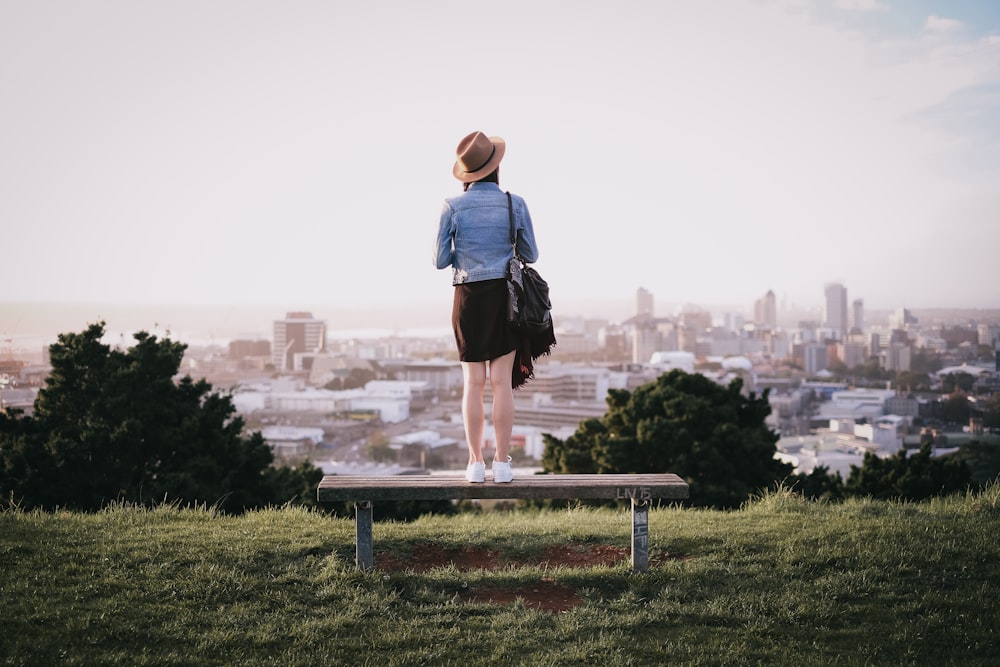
<point x="733" y="321"/>
<point x="989" y="334"/>
<point x="643" y="302"/>
<point x="835" y="310"/>
<point x="858" y="312"/>
<point x="765" y="311"/>
<point x="875" y="345"/>
<point x="816" y="357"/>
<point x="298" y="333"/>
<point x="897" y="357"/>
<point x="645" y="341"/>
<point x="902" y="319"/>
<point x="852" y="354"/>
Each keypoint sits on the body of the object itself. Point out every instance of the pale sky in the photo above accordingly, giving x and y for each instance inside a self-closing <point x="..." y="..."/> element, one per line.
<point x="298" y="152"/>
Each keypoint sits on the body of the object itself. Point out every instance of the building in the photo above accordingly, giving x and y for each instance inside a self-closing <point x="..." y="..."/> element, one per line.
<point x="666" y="361"/>
<point x="574" y="383"/>
<point x="989" y="335"/>
<point x="298" y="334"/>
<point x="649" y="336"/>
<point x="835" y="310"/>
<point x="897" y="357"/>
<point x="854" y="404"/>
<point x="858" y="312"/>
<point x="643" y="303"/>
<point x="815" y="358"/>
<point x="765" y="311"/>
<point x="326" y="368"/>
<point x="902" y="319"/>
<point x="842" y="445"/>
<point x="244" y="349"/>
<point x="550" y="417"/>
<point x="388" y="401"/>
<point x="291" y="440"/>
<point x="440" y="375"/>
<point x="903" y="405"/>
<point x="852" y="354"/>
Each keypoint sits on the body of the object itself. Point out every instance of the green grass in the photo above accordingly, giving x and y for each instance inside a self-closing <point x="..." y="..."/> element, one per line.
<point x="781" y="581"/>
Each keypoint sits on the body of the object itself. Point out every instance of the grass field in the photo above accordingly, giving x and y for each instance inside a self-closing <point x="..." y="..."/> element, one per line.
<point x="781" y="581"/>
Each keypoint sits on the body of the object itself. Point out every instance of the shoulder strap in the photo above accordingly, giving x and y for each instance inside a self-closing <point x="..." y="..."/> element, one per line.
<point x="513" y="233"/>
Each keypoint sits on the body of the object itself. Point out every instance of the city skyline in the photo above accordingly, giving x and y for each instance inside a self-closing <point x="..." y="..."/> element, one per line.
<point x="199" y="154"/>
<point x="22" y="324"/>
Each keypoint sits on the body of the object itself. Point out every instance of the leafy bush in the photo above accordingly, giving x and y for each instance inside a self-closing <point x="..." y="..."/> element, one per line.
<point x="113" y="425"/>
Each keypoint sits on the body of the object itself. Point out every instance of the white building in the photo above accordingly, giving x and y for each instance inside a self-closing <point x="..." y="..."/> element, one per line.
<point x="391" y="404"/>
<point x="291" y="440"/>
<point x="439" y="374"/>
<point x="974" y="371"/>
<point x="669" y="360"/>
<point x="843" y="445"/>
<point x="574" y="383"/>
<point x="855" y="404"/>
<point x="425" y="438"/>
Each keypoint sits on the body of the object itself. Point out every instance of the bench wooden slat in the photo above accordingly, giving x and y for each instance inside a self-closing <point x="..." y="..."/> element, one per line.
<point x="442" y="487"/>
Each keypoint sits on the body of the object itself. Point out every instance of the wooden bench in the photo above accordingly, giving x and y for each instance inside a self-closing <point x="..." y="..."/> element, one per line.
<point x="640" y="489"/>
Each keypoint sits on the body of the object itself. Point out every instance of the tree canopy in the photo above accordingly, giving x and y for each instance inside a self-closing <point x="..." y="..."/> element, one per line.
<point x="114" y="425"/>
<point x="712" y="436"/>
<point x="915" y="476"/>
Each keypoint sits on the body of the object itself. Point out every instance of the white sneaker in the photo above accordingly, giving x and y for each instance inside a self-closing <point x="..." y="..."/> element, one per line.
<point x="475" y="472"/>
<point x="502" y="472"/>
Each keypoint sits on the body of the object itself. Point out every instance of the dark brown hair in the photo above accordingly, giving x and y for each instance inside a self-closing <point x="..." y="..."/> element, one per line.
<point x="492" y="177"/>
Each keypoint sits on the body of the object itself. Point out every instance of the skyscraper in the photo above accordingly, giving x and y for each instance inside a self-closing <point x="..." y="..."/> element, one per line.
<point x="643" y="302"/>
<point x="765" y="311"/>
<point x="903" y="319"/>
<point x="298" y="332"/>
<point x="858" y="308"/>
<point x="835" y="310"/>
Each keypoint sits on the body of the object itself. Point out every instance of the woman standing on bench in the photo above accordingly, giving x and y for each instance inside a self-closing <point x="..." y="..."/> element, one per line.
<point x="474" y="240"/>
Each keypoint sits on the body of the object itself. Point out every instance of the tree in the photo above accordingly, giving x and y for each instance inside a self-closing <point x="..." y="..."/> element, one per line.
<point x="820" y="484"/>
<point x="356" y="377"/>
<point x="991" y="411"/>
<point x="872" y="370"/>
<point x="915" y="477"/>
<point x="981" y="458"/>
<point x="911" y="381"/>
<point x="956" y="409"/>
<point x="712" y="436"/>
<point x="925" y="362"/>
<point x="116" y="425"/>
<point x="379" y="449"/>
<point x="955" y="382"/>
<point x="838" y="368"/>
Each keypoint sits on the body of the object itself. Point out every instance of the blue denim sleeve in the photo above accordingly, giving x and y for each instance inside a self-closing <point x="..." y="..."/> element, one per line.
<point x="444" y="246"/>
<point x="526" y="246"/>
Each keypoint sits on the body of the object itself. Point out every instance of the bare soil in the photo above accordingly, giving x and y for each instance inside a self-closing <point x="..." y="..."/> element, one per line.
<point x="544" y="595"/>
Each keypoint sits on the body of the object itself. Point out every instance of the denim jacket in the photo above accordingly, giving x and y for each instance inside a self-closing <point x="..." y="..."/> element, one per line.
<point x="474" y="235"/>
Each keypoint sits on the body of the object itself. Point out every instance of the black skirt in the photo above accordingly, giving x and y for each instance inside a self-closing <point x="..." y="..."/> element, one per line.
<point x="479" y="320"/>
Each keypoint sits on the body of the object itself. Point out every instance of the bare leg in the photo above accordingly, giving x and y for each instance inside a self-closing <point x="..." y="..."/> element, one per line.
<point x="474" y="374"/>
<point x="501" y="369"/>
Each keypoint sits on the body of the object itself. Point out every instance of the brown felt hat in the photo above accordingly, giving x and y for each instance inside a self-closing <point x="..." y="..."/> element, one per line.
<point x="478" y="155"/>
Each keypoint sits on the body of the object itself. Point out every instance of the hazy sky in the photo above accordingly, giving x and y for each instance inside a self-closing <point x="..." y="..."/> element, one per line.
<point x="298" y="152"/>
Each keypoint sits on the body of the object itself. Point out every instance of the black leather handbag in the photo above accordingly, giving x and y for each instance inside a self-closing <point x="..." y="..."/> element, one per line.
<point x="529" y="309"/>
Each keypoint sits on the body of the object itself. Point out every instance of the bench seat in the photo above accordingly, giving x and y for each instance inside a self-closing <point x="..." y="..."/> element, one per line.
<point x="640" y="489"/>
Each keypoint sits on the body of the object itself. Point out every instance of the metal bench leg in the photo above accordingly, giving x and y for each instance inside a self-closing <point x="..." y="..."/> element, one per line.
<point x="363" y="544"/>
<point x="640" y="535"/>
